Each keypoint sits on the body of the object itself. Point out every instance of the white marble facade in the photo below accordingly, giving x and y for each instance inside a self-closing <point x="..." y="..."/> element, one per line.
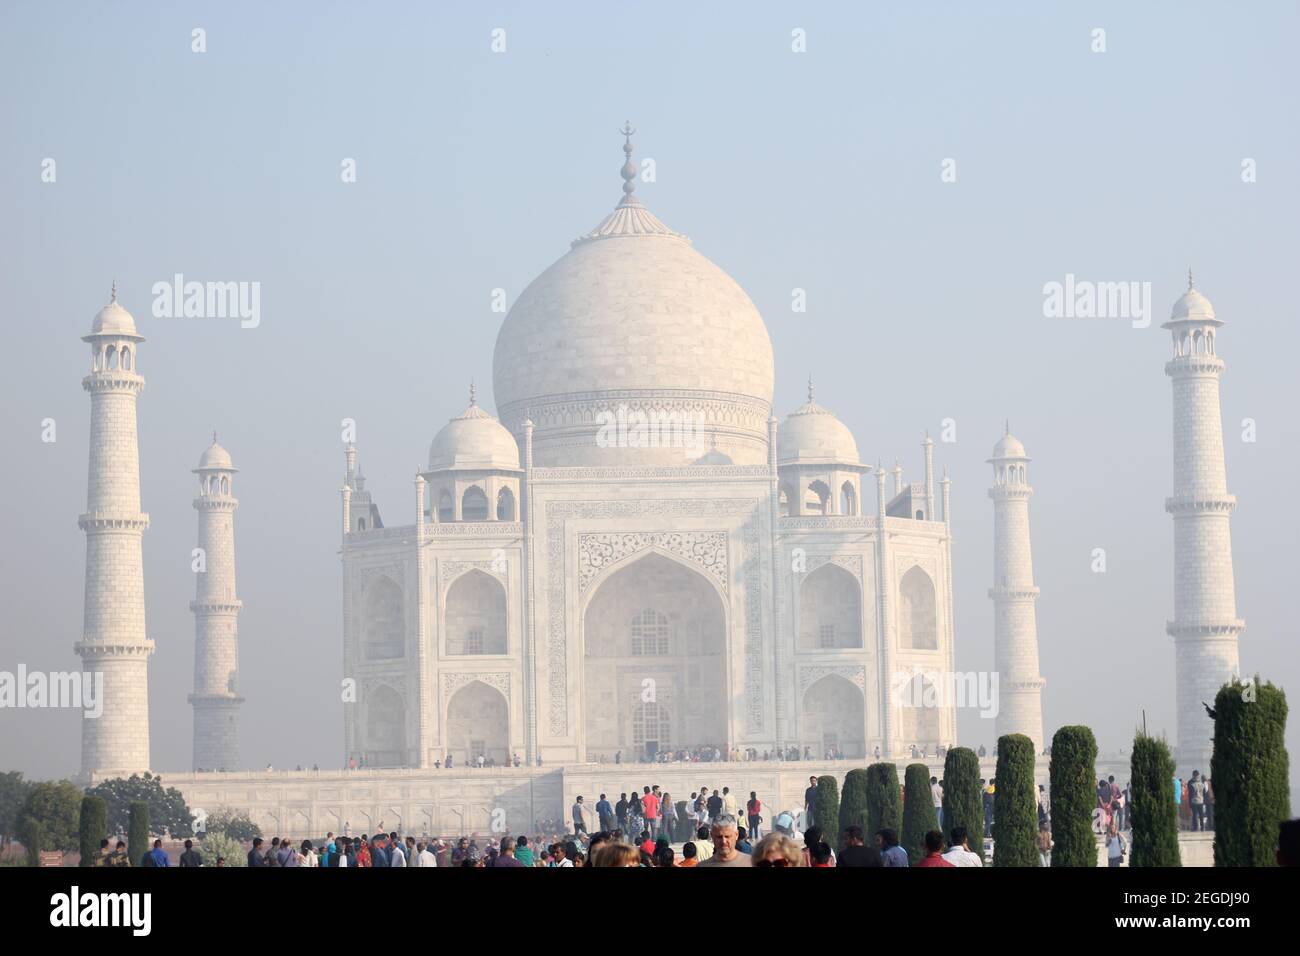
<point x="638" y="556"/>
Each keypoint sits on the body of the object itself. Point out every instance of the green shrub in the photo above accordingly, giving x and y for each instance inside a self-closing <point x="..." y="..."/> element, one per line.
<point x="1015" y="804"/>
<point x="217" y="843"/>
<point x="238" y="826"/>
<point x="137" y="839"/>
<point x="919" y="817"/>
<point x="963" y="802"/>
<point x="1151" y="808"/>
<point x="1074" y="797"/>
<point x="93" y="829"/>
<point x="1249" y="772"/>
<point x="853" y="807"/>
<point x="827" y="814"/>
<point x="57" y="808"/>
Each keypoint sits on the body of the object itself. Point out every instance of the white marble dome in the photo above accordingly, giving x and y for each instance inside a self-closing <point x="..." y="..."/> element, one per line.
<point x="813" y="434"/>
<point x="1009" y="446"/>
<point x="473" y="441"/>
<point x="634" y="317"/>
<point x="215" y="458"/>
<point x="1192" y="307"/>
<point x="112" y="319"/>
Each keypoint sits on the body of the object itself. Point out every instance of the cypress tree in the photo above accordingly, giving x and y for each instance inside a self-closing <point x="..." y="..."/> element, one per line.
<point x="827" y="814"/>
<point x="963" y="804"/>
<point x="883" y="809"/>
<point x="93" y="827"/>
<point x="32" y="835"/>
<point x="1151" y="806"/>
<point x="1015" y="804"/>
<point x="1073" y="776"/>
<point x="137" y="838"/>
<point x="919" y="817"/>
<point x="1249" y="773"/>
<point x="853" y="806"/>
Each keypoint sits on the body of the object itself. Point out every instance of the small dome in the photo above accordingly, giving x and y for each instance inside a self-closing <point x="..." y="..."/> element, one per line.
<point x="813" y="434"/>
<point x="1192" y="306"/>
<point x="215" y="457"/>
<point x="112" y="319"/>
<point x="473" y="441"/>
<point x="1009" y="447"/>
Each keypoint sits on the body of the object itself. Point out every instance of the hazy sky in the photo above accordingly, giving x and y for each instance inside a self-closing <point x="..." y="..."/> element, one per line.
<point x="816" y="170"/>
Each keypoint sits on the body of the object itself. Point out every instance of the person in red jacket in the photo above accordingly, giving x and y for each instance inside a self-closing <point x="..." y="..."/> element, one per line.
<point x="933" y="850"/>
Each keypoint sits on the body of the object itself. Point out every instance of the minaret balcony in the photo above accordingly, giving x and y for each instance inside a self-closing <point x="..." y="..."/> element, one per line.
<point x="112" y="521"/>
<point x="217" y="607"/>
<point x="1201" y="504"/>
<point x="1194" y="365"/>
<point x="216" y="503"/>
<point x="1011" y="492"/>
<point x="1193" y="629"/>
<point x="94" y="649"/>
<point x="114" y="380"/>
<point x="1013" y="594"/>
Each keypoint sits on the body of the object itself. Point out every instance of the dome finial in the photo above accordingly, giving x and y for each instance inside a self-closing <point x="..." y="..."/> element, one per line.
<point x="113" y="297"/>
<point x="1008" y="428"/>
<point x="214" y="436"/>
<point x="810" y="387"/>
<point x="1191" y="283"/>
<point x="472" y="400"/>
<point x="628" y="172"/>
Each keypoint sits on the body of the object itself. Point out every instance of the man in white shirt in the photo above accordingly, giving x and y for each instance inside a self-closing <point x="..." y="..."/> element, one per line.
<point x="728" y="802"/>
<point x="936" y="794"/>
<point x="424" y="857"/>
<point x="959" y="853"/>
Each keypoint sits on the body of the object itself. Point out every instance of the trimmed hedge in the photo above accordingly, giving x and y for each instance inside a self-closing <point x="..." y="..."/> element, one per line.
<point x="94" y="827"/>
<point x="1015" y="804"/>
<point x="828" y="807"/>
<point x="1151" y="805"/>
<point x="1249" y="772"/>
<point x="1074" y="797"/>
<point x="883" y="809"/>
<point x="919" y="817"/>
<point x="137" y="833"/>
<point x="963" y="803"/>
<point x="853" y="806"/>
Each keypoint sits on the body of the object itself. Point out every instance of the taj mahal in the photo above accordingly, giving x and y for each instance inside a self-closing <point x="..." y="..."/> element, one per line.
<point x="634" y="556"/>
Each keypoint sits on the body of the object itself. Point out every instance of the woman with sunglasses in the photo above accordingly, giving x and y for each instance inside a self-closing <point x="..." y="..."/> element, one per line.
<point x="777" y="849"/>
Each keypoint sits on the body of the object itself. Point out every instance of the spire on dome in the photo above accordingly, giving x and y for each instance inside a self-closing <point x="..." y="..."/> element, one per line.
<point x="628" y="172"/>
<point x="1008" y="428"/>
<point x="214" y="436"/>
<point x="1191" y="283"/>
<point x="472" y="400"/>
<point x="810" y="388"/>
<point x="113" y="297"/>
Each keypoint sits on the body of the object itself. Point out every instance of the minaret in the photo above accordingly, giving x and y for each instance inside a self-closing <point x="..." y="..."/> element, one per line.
<point x="216" y="697"/>
<point x="113" y="639"/>
<point x="1015" y="626"/>
<point x="1205" y="625"/>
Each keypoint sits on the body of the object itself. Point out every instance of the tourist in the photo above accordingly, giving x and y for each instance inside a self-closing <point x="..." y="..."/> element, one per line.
<point x="934" y="851"/>
<point x="286" y="856"/>
<point x="620" y="811"/>
<point x="1044" y="845"/>
<point x="714" y="806"/>
<point x="987" y="797"/>
<point x="507" y="856"/>
<point x="959" y="851"/>
<point x="1196" y="797"/>
<point x="729" y="807"/>
<point x="307" y="855"/>
<point x="724" y="834"/>
<point x="615" y="854"/>
<point x="689" y="857"/>
<point x="742" y="841"/>
<point x="778" y="850"/>
<point x="424" y="857"/>
<point x="936" y="797"/>
<point x="396" y="852"/>
<point x="635" y="815"/>
<point x="820" y="855"/>
<point x="703" y="845"/>
<point x="856" y="852"/>
<point x="560" y="857"/>
<point x="605" y="813"/>
<point x="255" y="856"/>
<point x="120" y="857"/>
<point x="157" y="856"/>
<point x="810" y="802"/>
<point x="701" y="807"/>
<point x="1178" y="800"/>
<point x="1044" y="807"/>
<point x="664" y="856"/>
<point x="650" y="809"/>
<point x="667" y="816"/>
<point x="579" y="816"/>
<point x="646" y="843"/>
<point x="754" y="813"/>
<point x="523" y="852"/>
<point x="1116" y="848"/>
<point x="891" y="854"/>
<point x="190" y="857"/>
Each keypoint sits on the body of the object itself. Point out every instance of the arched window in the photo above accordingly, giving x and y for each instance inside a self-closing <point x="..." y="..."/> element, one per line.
<point x="783" y="504"/>
<point x="920" y="515"/>
<point x="225" y="485"/>
<point x="385" y="622"/>
<point x="361" y="524"/>
<point x="126" y="358"/>
<point x="476" y="615"/>
<point x="474" y="504"/>
<point x="649" y="634"/>
<point x="112" y="357"/>
<point x="651" y="726"/>
<point x="848" y="499"/>
<point x="818" y="499"/>
<point x="830" y="609"/>
<point x="917" y="619"/>
<point x="95" y="358"/>
<point x="446" y="508"/>
<point x="505" y="505"/>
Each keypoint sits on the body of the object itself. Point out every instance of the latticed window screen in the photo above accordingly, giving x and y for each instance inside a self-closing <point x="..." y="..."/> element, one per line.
<point x="649" y="634"/>
<point x="474" y="641"/>
<point x="826" y="635"/>
<point x="650" y="722"/>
